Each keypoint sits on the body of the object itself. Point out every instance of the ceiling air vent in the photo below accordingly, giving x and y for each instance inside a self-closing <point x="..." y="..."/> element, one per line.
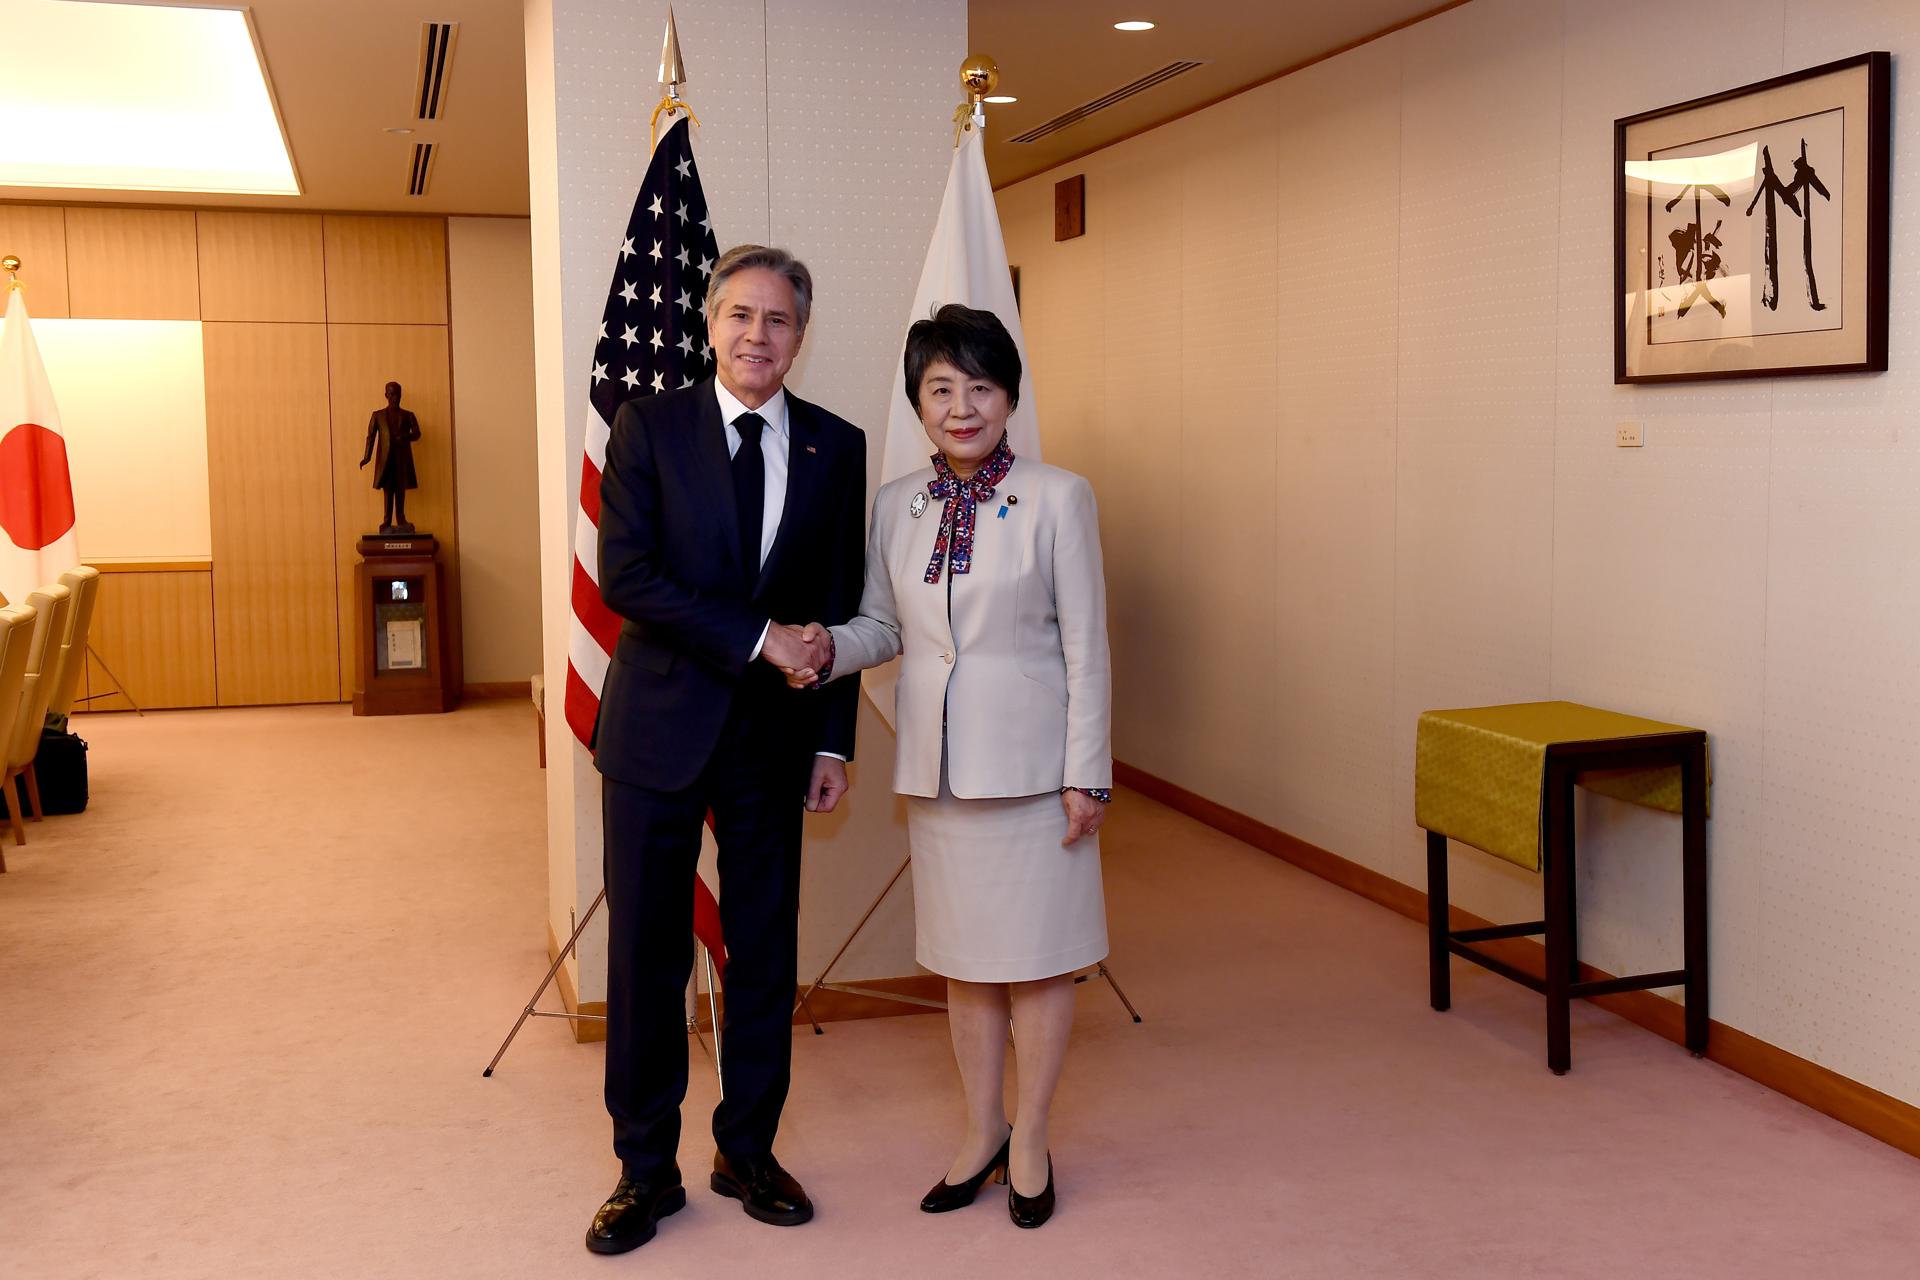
<point x="422" y="171"/>
<point x="1125" y="91"/>
<point x="436" y="64"/>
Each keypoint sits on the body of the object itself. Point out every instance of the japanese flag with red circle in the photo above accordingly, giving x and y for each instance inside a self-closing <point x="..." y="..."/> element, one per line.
<point x="37" y="542"/>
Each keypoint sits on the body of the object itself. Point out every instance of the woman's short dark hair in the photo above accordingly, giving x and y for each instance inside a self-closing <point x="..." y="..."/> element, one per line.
<point x="974" y="342"/>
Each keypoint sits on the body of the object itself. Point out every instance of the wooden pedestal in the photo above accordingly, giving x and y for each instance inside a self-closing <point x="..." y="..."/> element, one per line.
<point x="403" y="645"/>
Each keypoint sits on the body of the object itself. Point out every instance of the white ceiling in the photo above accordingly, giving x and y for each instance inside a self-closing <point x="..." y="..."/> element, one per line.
<point x="1056" y="55"/>
<point x="344" y="71"/>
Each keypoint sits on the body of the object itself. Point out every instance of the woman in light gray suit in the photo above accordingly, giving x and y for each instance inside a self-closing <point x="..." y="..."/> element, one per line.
<point x="984" y="574"/>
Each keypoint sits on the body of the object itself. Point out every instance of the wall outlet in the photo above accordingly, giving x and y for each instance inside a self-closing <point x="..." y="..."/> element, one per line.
<point x="1626" y="435"/>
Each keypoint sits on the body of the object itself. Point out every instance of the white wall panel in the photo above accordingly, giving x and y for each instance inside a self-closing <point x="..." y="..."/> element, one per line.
<point x="1452" y="522"/>
<point x="1841" y="885"/>
<point x="1660" y="581"/>
<point x="1135" y="208"/>
<point x="1337" y="424"/>
<point x="1479" y="255"/>
<point x="1228" y="454"/>
<point x="490" y="306"/>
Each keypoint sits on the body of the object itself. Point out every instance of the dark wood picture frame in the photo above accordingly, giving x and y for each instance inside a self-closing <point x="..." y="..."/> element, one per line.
<point x="1859" y="342"/>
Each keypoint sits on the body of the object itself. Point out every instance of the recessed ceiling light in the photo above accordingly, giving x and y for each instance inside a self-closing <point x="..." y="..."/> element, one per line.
<point x="1133" y="26"/>
<point x="139" y="97"/>
<point x="1002" y="98"/>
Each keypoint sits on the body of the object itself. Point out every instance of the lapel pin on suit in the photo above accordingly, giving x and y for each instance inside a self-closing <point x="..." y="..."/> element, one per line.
<point x="811" y="449"/>
<point x="1012" y="501"/>
<point x="918" y="507"/>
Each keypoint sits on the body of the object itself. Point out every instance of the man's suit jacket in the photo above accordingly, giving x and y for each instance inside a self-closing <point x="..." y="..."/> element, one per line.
<point x="392" y="440"/>
<point x="673" y="568"/>
<point x="1020" y="680"/>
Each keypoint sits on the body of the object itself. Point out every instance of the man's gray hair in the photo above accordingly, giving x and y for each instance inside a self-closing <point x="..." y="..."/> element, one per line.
<point x="783" y="264"/>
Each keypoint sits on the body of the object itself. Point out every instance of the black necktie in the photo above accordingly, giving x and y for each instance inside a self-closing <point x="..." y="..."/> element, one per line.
<point x="749" y="489"/>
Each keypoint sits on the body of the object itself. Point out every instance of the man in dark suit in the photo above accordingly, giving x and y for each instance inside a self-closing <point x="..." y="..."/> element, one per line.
<point x="724" y="507"/>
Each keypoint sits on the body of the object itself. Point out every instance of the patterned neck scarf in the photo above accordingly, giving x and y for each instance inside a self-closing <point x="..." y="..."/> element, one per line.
<point x="957" y="517"/>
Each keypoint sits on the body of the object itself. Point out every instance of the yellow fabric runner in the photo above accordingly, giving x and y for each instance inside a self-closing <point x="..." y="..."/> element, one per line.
<point x="1478" y="771"/>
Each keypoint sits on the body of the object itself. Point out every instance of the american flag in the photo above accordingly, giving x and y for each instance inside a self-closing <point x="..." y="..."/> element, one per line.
<point x="653" y="337"/>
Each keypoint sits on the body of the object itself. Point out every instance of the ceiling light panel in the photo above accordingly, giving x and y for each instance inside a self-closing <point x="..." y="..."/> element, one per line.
<point x="138" y="97"/>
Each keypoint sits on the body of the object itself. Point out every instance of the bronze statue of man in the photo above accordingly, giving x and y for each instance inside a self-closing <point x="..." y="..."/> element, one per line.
<point x="390" y="435"/>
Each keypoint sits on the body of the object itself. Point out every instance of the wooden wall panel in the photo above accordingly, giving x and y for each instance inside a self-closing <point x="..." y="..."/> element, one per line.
<point x="132" y="264"/>
<point x="37" y="235"/>
<point x="261" y="266"/>
<point x="155" y="630"/>
<point x="386" y="270"/>
<point x="270" y="479"/>
<point x="362" y="359"/>
<point x="307" y="316"/>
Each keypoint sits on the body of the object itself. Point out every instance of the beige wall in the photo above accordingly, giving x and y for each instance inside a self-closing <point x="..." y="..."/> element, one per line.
<point x="1337" y="355"/>
<point x="139" y="432"/>
<point x="490" y="285"/>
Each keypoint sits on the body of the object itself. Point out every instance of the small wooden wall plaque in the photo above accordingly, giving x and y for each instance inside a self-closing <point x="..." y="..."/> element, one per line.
<point x="1070" y="207"/>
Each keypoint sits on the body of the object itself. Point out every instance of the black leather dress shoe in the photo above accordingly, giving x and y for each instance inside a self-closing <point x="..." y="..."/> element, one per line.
<point x="766" y="1191"/>
<point x="626" y="1221"/>
<point x="1031" y="1211"/>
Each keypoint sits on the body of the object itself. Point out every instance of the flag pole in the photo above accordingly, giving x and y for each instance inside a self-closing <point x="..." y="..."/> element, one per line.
<point x="979" y="77"/>
<point x="11" y="263"/>
<point x="673" y="74"/>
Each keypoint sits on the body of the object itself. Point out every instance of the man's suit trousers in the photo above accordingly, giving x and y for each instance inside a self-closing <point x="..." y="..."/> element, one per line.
<point x="755" y="789"/>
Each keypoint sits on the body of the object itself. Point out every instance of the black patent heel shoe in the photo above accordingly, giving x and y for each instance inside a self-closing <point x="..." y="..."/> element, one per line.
<point x="1031" y="1211"/>
<point x="946" y="1196"/>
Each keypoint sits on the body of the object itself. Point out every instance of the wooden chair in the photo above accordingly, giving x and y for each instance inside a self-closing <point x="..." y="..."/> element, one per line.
<point x="36" y="691"/>
<point x="16" y="639"/>
<point x="84" y="582"/>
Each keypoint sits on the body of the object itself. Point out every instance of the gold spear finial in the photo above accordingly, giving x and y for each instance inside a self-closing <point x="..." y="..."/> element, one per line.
<point x="979" y="76"/>
<point x="11" y="265"/>
<point x="673" y="74"/>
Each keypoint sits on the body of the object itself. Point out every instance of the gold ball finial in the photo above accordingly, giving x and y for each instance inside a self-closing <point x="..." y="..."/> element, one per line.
<point x="10" y="263"/>
<point x="979" y="76"/>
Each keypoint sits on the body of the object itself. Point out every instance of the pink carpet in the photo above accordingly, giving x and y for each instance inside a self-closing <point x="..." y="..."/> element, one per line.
<point x="245" y="1001"/>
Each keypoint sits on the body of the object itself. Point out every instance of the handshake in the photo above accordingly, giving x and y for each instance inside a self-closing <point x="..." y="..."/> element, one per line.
<point x="801" y="653"/>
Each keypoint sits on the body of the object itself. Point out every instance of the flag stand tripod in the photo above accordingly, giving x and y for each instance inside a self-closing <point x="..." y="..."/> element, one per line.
<point x="119" y="685"/>
<point x="874" y="993"/>
<point x="532" y="1011"/>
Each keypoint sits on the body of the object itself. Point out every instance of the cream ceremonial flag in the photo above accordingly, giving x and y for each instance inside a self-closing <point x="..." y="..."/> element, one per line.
<point x="966" y="263"/>
<point x="36" y="490"/>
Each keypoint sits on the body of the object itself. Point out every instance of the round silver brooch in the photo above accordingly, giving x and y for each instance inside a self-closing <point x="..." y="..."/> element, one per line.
<point x="918" y="506"/>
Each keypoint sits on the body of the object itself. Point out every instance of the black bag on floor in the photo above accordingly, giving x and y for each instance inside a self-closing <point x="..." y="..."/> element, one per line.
<point x="60" y="768"/>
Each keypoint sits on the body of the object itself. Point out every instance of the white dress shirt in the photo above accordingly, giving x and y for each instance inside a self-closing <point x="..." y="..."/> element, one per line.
<point x="774" y="442"/>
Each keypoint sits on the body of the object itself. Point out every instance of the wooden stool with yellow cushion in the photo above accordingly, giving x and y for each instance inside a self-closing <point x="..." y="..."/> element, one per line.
<point x="1501" y="779"/>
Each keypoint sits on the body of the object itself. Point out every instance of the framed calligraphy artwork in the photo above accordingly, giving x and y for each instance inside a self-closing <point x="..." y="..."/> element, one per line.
<point x="1750" y="229"/>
